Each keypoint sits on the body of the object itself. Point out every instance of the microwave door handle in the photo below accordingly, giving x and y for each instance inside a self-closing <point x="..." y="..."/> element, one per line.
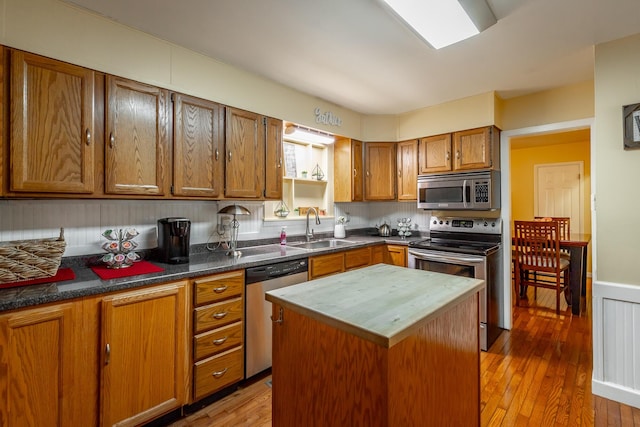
<point x="464" y="193"/>
<point x="456" y="259"/>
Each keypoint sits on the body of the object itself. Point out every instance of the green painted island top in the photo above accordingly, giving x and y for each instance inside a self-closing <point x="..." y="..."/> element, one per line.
<point x="381" y="303"/>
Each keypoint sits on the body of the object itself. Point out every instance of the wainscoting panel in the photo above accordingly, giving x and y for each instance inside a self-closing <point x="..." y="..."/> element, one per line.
<point x="616" y="342"/>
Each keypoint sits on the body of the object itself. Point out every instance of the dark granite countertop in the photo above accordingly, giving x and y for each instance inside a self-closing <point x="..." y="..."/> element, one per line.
<point x="202" y="262"/>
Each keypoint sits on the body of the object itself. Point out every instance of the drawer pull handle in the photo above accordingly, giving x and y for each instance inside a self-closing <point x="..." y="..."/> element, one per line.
<point x="220" y="289"/>
<point x="107" y="354"/>
<point x="220" y="373"/>
<point x="219" y="315"/>
<point x="280" y="318"/>
<point x="220" y="341"/>
<point x="88" y="136"/>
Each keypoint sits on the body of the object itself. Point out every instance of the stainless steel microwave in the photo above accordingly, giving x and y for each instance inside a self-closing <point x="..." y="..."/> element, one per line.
<point x="459" y="191"/>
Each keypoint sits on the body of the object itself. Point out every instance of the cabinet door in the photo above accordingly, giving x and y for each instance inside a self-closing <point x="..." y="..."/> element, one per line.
<point x="380" y="167"/>
<point x="396" y="255"/>
<point x="41" y="365"/>
<point x="435" y="154"/>
<point x="143" y="354"/>
<point x="324" y="265"/>
<point x="408" y="170"/>
<point x="244" y="143"/>
<point x="347" y="165"/>
<point x="273" y="160"/>
<point x="52" y="123"/>
<point x="137" y="132"/>
<point x="357" y="258"/>
<point x="472" y="149"/>
<point x="198" y="138"/>
<point x="357" y="165"/>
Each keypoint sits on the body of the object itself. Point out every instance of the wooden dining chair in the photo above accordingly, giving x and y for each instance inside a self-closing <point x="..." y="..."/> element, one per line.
<point x="537" y="250"/>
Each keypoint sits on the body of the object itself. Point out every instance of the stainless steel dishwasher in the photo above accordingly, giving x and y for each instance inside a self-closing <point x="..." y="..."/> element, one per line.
<point x="259" y="280"/>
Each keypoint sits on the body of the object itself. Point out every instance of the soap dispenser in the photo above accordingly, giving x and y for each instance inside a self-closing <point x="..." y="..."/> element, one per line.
<point x="283" y="235"/>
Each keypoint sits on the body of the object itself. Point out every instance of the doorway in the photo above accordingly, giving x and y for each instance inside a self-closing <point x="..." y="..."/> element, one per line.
<point x="521" y="149"/>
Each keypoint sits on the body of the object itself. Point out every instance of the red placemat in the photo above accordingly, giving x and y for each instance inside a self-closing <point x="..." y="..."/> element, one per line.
<point x="140" y="267"/>
<point x="62" y="274"/>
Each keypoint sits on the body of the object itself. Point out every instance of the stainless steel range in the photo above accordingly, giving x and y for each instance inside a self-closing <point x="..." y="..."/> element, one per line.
<point x="469" y="247"/>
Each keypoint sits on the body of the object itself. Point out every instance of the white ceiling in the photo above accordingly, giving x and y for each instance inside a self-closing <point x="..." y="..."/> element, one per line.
<point x="355" y="54"/>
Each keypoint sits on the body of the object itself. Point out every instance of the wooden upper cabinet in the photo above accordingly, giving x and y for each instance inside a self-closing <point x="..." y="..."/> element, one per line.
<point x="407" y="170"/>
<point x="435" y="154"/>
<point x="473" y="149"/>
<point x="52" y="126"/>
<point x="198" y="147"/>
<point x="245" y="154"/>
<point x="273" y="159"/>
<point x="380" y="171"/>
<point x="348" y="175"/>
<point x="137" y="138"/>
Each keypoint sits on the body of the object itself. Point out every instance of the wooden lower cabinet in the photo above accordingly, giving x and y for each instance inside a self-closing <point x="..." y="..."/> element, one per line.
<point x="143" y="354"/>
<point x="338" y="262"/>
<point x="48" y="378"/>
<point x="357" y="258"/>
<point x="396" y="255"/>
<point x="218" y="327"/>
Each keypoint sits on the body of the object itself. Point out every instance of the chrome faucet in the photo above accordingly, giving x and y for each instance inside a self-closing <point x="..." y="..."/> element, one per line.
<point x="309" y="234"/>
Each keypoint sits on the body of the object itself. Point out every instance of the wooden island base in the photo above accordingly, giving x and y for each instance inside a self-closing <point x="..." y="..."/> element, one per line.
<point x="323" y="376"/>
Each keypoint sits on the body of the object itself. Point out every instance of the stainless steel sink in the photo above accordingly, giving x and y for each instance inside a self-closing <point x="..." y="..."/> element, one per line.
<point x="321" y="244"/>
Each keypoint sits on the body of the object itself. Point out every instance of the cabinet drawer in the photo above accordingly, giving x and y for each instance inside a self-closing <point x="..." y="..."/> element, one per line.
<point x="356" y="258"/>
<point x="323" y="265"/>
<point x="218" y="287"/>
<point x="217" y="340"/>
<point x="216" y="315"/>
<point x="217" y="372"/>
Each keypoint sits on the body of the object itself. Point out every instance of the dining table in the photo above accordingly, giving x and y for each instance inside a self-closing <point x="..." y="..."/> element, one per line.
<point x="576" y="245"/>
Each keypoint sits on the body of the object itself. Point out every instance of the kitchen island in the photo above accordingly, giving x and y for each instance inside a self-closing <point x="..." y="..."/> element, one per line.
<point x="378" y="346"/>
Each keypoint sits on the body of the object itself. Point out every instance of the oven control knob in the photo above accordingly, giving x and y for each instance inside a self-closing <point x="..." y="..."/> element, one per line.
<point x="486" y="223"/>
<point x="440" y="222"/>
<point x="435" y="221"/>
<point x="493" y="224"/>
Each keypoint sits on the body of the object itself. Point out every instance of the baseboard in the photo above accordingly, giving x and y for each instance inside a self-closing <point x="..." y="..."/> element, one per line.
<point x="615" y="392"/>
<point x="616" y="341"/>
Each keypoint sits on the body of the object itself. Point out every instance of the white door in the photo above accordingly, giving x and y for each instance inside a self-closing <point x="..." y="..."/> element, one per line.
<point x="559" y="189"/>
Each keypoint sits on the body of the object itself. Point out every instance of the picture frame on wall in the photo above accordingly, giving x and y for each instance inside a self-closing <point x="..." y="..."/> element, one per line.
<point x="631" y="126"/>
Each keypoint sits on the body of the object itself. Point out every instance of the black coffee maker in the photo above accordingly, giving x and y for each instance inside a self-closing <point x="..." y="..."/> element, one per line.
<point x="173" y="240"/>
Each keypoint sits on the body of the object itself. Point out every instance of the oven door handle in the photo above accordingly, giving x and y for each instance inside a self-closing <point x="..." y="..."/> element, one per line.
<point x="432" y="256"/>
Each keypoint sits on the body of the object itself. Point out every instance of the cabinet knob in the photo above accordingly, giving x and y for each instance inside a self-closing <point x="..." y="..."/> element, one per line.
<point x="448" y="155"/>
<point x="458" y="154"/>
<point x="88" y="136"/>
<point x="229" y="155"/>
<point x="219" y="315"/>
<point x="355" y="172"/>
<point x="112" y="140"/>
<point x="217" y="154"/>
<point x="107" y="354"/>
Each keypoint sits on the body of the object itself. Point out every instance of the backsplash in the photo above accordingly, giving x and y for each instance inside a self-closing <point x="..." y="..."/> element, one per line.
<point x="85" y="220"/>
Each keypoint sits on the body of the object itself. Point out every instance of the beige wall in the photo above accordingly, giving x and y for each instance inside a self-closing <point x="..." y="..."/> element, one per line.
<point x="617" y="172"/>
<point x="550" y="106"/>
<point x="467" y="113"/>
<point x="61" y="31"/>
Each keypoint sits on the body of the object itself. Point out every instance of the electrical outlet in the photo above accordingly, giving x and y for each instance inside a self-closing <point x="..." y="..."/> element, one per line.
<point x="224" y="227"/>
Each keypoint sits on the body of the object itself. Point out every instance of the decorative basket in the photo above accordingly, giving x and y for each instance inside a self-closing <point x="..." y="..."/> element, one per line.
<point x="30" y="259"/>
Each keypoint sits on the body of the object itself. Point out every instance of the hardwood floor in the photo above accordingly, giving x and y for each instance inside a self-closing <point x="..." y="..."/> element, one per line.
<point x="537" y="374"/>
